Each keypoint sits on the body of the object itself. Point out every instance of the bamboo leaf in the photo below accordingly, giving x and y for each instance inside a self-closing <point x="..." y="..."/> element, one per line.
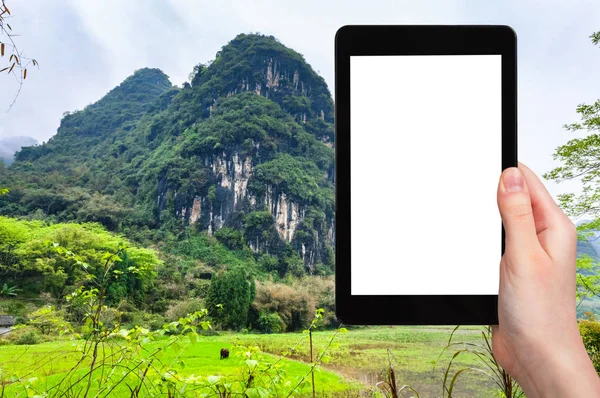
<point x="411" y="389"/>
<point x="447" y="346"/>
<point x="454" y="381"/>
<point x="457" y="353"/>
<point x="452" y="334"/>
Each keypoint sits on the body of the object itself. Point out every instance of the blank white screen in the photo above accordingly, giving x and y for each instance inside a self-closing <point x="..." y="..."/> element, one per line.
<point x="425" y="163"/>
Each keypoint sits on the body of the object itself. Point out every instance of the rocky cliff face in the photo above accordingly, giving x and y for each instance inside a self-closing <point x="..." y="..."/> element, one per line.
<point x="222" y="205"/>
<point x="258" y="65"/>
<point x="276" y="80"/>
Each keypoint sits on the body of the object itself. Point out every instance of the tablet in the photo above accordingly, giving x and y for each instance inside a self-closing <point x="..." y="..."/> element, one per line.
<point x="425" y="122"/>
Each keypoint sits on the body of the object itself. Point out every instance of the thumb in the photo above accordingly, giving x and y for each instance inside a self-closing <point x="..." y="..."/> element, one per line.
<point x="516" y="211"/>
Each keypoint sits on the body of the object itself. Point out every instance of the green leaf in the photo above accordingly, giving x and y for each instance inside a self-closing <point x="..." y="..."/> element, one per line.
<point x="214" y="379"/>
<point x="257" y="392"/>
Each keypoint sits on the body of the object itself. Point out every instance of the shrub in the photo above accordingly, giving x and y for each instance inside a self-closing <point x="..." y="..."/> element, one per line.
<point x="126" y="306"/>
<point x="48" y="320"/>
<point x="173" y="290"/>
<point x="30" y="337"/>
<point x="16" y="307"/>
<point x="143" y="319"/>
<point x="110" y="316"/>
<point x="201" y="288"/>
<point x="23" y="335"/>
<point x="590" y="333"/>
<point x="294" y="307"/>
<point x="152" y="321"/>
<point x="159" y="306"/>
<point x="322" y="289"/>
<point x="180" y="309"/>
<point x="269" y="322"/>
<point x="268" y="263"/>
<point x="232" y="238"/>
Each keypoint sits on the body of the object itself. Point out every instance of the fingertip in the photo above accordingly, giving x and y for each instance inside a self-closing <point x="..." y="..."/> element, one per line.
<point x="516" y="211"/>
<point x="512" y="180"/>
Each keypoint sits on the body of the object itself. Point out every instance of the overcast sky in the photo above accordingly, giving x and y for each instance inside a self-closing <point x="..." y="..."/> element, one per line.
<point x="86" y="47"/>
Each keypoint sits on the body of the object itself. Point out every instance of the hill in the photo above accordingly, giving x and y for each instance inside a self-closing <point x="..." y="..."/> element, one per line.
<point x="244" y="153"/>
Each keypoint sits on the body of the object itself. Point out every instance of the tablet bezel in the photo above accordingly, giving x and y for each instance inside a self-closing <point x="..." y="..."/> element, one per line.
<point x="413" y="40"/>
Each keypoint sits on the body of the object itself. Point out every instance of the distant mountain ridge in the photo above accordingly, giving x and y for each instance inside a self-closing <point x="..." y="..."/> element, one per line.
<point x="11" y="145"/>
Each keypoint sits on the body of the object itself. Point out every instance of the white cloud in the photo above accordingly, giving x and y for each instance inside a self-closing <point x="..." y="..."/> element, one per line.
<point x="87" y="47"/>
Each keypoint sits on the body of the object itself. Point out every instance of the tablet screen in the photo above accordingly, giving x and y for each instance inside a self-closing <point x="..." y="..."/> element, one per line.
<point x="426" y="158"/>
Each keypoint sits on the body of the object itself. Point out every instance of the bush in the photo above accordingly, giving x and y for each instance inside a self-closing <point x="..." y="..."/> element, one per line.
<point x="269" y="322"/>
<point x="110" y="317"/>
<point x="159" y="306"/>
<point x="23" y="335"/>
<point x="200" y="288"/>
<point x="16" y="307"/>
<point x="232" y="238"/>
<point x="295" y="307"/>
<point x="28" y="338"/>
<point x="322" y="289"/>
<point x="152" y="321"/>
<point x="143" y="319"/>
<point x="590" y="333"/>
<point x="180" y="309"/>
<point x="48" y="320"/>
<point x="126" y="306"/>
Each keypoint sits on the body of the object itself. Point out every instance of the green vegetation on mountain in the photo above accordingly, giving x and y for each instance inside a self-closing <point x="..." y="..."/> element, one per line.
<point x="229" y="175"/>
<point x="60" y="258"/>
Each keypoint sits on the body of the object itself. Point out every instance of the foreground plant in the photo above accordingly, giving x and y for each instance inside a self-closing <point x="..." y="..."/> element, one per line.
<point x="132" y="362"/>
<point x="508" y="387"/>
<point x="389" y="386"/>
<point x="17" y="62"/>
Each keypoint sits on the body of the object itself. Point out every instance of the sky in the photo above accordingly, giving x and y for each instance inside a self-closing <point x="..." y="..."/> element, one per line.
<point x="87" y="47"/>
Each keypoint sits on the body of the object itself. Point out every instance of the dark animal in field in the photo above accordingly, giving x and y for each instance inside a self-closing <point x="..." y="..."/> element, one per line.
<point x="224" y="353"/>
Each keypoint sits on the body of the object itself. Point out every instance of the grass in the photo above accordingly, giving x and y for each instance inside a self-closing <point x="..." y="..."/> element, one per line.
<point x="50" y="362"/>
<point x="356" y="363"/>
<point x="362" y="355"/>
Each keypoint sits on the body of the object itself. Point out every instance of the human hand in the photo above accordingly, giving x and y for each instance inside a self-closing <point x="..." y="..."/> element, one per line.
<point x="537" y="340"/>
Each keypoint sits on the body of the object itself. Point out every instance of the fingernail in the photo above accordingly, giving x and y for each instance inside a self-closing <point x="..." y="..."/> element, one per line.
<point x="512" y="180"/>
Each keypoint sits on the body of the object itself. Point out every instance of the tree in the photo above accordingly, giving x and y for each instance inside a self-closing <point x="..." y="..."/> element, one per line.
<point x="41" y="257"/>
<point x="581" y="159"/>
<point x="47" y="320"/>
<point x="230" y="295"/>
<point x="17" y="62"/>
